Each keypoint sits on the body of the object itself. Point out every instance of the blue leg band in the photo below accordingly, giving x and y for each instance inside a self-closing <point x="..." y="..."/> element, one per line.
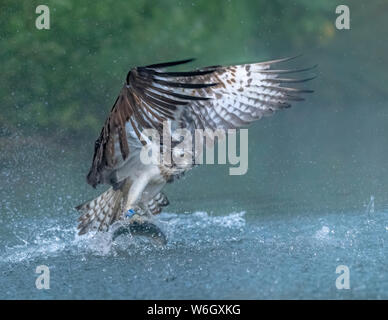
<point x="130" y="213"/>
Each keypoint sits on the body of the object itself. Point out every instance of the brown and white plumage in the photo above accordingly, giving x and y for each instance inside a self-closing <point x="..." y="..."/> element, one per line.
<point x="214" y="97"/>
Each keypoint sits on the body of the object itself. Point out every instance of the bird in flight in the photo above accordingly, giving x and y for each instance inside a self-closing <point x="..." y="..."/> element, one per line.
<point x="216" y="97"/>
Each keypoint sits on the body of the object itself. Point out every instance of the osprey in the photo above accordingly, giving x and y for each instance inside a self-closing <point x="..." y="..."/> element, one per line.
<point x="216" y="97"/>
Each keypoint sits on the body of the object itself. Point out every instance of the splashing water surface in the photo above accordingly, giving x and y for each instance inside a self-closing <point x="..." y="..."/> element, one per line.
<point x="249" y="249"/>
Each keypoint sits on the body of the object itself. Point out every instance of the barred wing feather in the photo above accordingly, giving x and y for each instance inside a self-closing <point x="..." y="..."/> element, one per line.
<point x="214" y="97"/>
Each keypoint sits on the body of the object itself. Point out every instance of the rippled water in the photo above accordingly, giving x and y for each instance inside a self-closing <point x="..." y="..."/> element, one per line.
<point x="259" y="237"/>
<point x="228" y="256"/>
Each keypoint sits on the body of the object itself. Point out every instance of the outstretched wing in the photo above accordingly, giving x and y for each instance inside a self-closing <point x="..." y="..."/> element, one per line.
<point x="245" y="93"/>
<point x="215" y="97"/>
<point x="148" y="97"/>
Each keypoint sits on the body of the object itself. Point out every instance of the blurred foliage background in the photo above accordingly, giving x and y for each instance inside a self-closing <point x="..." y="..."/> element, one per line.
<point x="65" y="79"/>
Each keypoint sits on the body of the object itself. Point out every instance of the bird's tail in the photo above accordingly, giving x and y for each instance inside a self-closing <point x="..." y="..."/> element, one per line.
<point x="101" y="212"/>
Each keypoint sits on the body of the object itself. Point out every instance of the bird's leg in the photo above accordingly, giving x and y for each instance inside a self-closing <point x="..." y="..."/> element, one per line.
<point x="134" y="193"/>
<point x="140" y="224"/>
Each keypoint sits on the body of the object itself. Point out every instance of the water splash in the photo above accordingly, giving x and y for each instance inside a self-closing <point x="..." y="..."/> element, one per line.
<point x="322" y="233"/>
<point x="370" y="209"/>
<point x="61" y="235"/>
